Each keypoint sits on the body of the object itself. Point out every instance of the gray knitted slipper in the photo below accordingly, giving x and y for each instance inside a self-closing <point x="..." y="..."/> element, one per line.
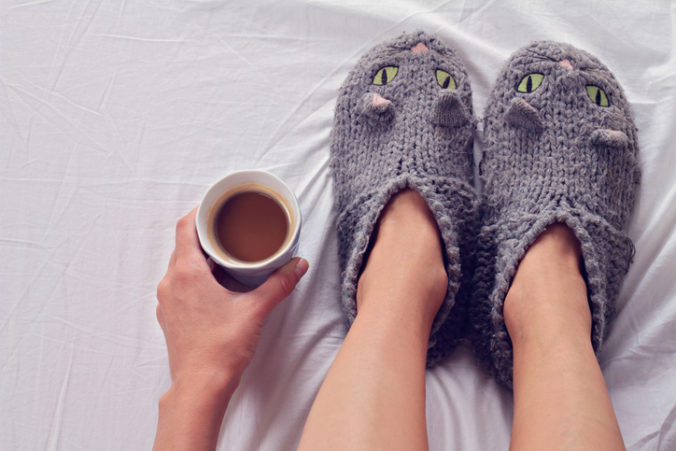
<point x="404" y="120"/>
<point x="560" y="146"/>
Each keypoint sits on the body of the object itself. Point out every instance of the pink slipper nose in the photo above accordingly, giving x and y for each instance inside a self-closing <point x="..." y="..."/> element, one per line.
<point x="420" y="48"/>
<point x="565" y="63"/>
<point x="378" y="100"/>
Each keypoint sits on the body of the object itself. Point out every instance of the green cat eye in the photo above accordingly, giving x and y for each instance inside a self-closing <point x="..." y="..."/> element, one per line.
<point x="597" y="95"/>
<point x="530" y="82"/>
<point x="445" y="80"/>
<point x="385" y="75"/>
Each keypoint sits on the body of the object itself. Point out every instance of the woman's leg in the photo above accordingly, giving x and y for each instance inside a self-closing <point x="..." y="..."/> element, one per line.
<point x="373" y="396"/>
<point x="560" y="398"/>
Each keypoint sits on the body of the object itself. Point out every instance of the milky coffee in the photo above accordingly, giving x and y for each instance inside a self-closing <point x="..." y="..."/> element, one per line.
<point x="250" y="223"/>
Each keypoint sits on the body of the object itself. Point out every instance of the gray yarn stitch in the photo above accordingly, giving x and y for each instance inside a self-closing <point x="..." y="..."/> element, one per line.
<point x="417" y="134"/>
<point x="555" y="154"/>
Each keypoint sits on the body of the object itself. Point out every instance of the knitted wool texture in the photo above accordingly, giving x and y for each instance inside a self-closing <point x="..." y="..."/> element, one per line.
<point x="557" y="149"/>
<point x="399" y="123"/>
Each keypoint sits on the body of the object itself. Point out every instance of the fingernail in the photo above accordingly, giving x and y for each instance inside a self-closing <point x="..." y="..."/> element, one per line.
<point x="301" y="268"/>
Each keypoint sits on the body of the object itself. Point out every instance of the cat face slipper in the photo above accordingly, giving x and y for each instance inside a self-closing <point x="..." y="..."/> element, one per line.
<point x="560" y="146"/>
<point x="404" y="120"/>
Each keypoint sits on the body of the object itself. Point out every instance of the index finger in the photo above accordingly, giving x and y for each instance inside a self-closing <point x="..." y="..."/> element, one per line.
<point x="187" y="242"/>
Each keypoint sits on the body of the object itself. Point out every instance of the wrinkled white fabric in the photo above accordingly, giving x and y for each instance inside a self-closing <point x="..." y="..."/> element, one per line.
<point x="116" y="116"/>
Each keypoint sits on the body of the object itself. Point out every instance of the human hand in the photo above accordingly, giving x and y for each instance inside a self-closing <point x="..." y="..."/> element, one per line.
<point x="212" y="332"/>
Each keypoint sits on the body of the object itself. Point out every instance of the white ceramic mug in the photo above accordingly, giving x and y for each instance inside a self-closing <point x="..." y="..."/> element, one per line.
<point x="254" y="273"/>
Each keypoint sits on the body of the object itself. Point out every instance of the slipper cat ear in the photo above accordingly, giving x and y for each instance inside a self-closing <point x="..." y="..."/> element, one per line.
<point x="522" y="115"/>
<point x="611" y="138"/>
<point x="449" y="111"/>
<point x="375" y="108"/>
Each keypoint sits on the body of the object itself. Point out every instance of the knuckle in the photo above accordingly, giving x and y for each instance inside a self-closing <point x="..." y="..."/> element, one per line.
<point x="162" y="289"/>
<point x="182" y="274"/>
<point x="182" y="224"/>
<point x="185" y="274"/>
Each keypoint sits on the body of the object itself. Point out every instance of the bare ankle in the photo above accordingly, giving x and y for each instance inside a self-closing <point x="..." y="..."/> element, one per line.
<point x="548" y="294"/>
<point x="405" y="207"/>
<point x="406" y="260"/>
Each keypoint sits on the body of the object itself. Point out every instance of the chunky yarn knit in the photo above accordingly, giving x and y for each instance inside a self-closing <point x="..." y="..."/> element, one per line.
<point x="404" y="120"/>
<point x="560" y="146"/>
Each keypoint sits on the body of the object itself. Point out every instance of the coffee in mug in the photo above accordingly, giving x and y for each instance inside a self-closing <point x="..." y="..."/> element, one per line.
<point x="250" y="223"/>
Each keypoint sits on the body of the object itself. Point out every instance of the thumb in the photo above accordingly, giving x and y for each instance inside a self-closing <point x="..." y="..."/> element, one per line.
<point x="280" y="284"/>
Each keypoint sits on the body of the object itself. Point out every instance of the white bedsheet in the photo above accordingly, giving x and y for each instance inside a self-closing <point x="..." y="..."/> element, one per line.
<point x="115" y="116"/>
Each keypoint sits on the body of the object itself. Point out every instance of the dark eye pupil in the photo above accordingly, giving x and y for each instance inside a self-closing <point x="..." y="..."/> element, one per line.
<point x="446" y="82"/>
<point x="598" y="97"/>
<point x="529" y="84"/>
<point x="383" y="77"/>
